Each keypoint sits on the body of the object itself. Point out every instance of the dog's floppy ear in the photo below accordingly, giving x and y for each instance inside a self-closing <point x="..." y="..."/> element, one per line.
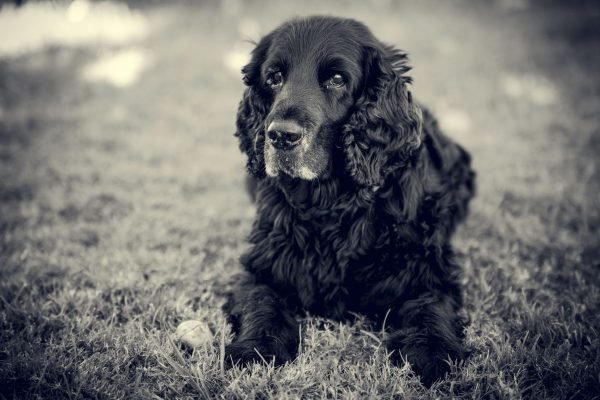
<point x="253" y="110"/>
<point x="386" y="126"/>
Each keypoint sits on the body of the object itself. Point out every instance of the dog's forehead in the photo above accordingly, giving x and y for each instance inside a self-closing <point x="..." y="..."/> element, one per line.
<point x="313" y="42"/>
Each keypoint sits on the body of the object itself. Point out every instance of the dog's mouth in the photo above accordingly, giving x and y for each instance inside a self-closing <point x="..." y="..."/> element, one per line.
<point x="295" y="162"/>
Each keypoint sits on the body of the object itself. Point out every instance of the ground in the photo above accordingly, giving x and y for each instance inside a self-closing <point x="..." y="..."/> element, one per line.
<point x="123" y="210"/>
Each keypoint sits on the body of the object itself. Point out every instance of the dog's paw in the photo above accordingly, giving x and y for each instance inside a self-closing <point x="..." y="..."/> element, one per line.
<point x="429" y="356"/>
<point x="432" y="368"/>
<point x="243" y="353"/>
<point x="428" y="364"/>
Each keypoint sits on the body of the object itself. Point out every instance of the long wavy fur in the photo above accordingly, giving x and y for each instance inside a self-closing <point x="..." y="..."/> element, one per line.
<point x="372" y="238"/>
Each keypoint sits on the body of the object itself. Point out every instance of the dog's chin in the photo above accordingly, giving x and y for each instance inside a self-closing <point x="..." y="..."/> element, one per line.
<point x="290" y="164"/>
<point x="304" y="172"/>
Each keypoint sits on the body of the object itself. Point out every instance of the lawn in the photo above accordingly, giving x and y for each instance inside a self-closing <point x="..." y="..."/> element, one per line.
<point x="123" y="210"/>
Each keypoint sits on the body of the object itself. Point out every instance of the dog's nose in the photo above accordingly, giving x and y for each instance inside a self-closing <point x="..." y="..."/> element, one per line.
<point x="284" y="135"/>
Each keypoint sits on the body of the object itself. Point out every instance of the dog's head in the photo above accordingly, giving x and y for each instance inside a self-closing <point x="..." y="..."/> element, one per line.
<point x="319" y="84"/>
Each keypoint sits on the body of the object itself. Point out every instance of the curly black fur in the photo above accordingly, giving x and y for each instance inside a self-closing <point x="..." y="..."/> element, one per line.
<point x="370" y="236"/>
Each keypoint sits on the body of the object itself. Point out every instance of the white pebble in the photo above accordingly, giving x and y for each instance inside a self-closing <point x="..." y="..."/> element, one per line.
<point x="193" y="333"/>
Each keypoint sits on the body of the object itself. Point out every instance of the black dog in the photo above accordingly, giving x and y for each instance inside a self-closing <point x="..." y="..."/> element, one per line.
<point x="358" y="193"/>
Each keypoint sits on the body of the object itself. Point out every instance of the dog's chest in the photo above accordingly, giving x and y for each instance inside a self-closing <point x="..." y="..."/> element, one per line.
<point x="309" y="259"/>
<point x="317" y="270"/>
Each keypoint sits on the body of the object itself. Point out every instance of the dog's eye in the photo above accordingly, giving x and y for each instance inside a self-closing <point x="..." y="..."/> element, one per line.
<point x="275" y="79"/>
<point x="335" y="81"/>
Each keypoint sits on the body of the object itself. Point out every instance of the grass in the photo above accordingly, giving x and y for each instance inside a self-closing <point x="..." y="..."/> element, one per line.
<point x="123" y="212"/>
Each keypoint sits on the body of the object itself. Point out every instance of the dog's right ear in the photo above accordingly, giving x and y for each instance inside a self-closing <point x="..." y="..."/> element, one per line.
<point x="253" y="110"/>
<point x="251" y="71"/>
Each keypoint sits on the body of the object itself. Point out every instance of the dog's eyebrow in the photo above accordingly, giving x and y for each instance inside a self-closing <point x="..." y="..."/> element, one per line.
<point x="279" y="56"/>
<point x="277" y="62"/>
<point x="349" y="69"/>
<point x="336" y="64"/>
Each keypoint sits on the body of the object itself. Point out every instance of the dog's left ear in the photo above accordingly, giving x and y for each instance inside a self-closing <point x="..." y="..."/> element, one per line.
<point x="386" y="126"/>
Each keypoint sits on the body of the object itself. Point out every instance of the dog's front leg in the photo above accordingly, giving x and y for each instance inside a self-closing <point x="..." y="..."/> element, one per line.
<point x="265" y="329"/>
<point x="427" y="331"/>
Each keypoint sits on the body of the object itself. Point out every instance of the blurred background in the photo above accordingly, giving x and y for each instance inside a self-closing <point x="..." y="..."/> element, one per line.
<point x="123" y="210"/>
